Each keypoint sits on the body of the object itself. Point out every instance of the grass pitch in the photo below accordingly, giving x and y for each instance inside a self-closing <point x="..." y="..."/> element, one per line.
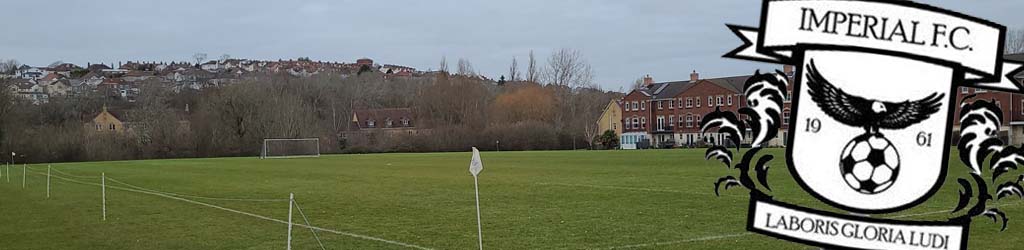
<point x="653" y="199"/>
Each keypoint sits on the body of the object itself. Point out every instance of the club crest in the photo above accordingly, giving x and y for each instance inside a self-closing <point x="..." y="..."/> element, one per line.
<point x="871" y="120"/>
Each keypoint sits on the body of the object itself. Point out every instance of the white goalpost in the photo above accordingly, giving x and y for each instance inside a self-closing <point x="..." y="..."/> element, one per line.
<point x="290" y="148"/>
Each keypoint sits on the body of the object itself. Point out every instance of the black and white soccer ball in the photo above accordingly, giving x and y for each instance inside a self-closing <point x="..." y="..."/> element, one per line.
<point x="870" y="163"/>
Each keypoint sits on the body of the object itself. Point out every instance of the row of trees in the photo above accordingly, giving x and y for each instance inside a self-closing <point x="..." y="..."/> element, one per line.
<point x="454" y="111"/>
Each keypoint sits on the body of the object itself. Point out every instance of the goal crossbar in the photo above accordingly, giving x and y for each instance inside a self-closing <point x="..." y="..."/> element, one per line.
<point x="290" y="148"/>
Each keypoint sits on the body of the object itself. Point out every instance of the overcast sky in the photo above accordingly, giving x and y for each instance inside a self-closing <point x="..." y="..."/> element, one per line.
<point x="623" y="40"/>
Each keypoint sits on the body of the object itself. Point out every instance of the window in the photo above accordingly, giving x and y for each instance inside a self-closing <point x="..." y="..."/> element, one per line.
<point x="98" y="128"/>
<point x="789" y="96"/>
<point x="710" y="104"/>
<point x="113" y="127"/>
<point x="661" y="123"/>
<point x="405" y="122"/>
<point x="729" y="101"/>
<point x="388" y="123"/>
<point x="681" y="120"/>
<point x="371" y="123"/>
<point x="671" y="120"/>
<point x="689" y="102"/>
<point x="718" y="101"/>
<point x="697" y="101"/>
<point x="980" y="91"/>
<point x="1022" y="107"/>
<point x="680" y="102"/>
<point x="689" y="121"/>
<point x="963" y="90"/>
<point x="785" y="117"/>
<point x="659" y="105"/>
<point x="671" y="104"/>
<point x="636" y="123"/>
<point x="643" y="105"/>
<point x="643" y="122"/>
<point x="636" y="106"/>
<point x="696" y="118"/>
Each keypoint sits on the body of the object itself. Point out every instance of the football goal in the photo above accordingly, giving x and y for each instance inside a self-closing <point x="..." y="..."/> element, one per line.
<point x="290" y="148"/>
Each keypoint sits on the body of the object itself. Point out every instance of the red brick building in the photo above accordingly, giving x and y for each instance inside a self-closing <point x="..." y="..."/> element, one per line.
<point x="669" y="113"/>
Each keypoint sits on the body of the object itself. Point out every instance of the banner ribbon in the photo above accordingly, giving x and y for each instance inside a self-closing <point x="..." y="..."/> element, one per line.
<point x="912" y="30"/>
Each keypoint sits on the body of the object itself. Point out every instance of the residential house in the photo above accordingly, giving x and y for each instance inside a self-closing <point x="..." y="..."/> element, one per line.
<point x="59" y="87"/>
<point x="668" y="114"/>
<point x="611" y="119"/>
<point x="108" y="121"/>
<point x="382" y="119"/>
<point x="29" y="72"/>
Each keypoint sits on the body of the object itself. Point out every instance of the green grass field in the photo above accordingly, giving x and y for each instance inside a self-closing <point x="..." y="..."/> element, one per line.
<point x="654" y="199"/>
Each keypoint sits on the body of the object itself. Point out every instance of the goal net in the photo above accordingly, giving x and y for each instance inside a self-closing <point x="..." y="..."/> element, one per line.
<point x="290" y="148"/>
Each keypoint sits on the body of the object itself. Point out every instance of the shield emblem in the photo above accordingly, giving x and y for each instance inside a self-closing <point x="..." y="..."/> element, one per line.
<point x="870" y="137"/>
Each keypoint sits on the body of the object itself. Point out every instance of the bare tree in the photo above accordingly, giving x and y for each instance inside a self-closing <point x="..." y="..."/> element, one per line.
<point x="531" y="69"/>
<point x="225" y="57"/>
<point x="567" y="68"/>
<point x="9" y="66"/>
<point x="465" y="68"/>
<point x="513" y="71"/>
<point x="444" y="65"/>
<point x="199" y="57"/>
<point x="1015" y="41"/>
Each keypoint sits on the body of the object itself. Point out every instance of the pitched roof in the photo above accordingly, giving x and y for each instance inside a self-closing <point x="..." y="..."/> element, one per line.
<point x="733" y="83"/>
<point x="379" y="116"/>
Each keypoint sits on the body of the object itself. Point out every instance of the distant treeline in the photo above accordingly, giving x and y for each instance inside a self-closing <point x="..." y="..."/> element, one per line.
<point x="454" y="111"/>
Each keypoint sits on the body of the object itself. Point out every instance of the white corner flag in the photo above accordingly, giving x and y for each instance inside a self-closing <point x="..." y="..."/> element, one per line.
<point x="475" y="166"/>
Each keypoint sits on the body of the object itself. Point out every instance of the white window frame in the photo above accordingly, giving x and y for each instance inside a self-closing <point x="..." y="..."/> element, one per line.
<point x="689" y="102"/>
<point x="660" y="123"/>
<point x="963" y="90"/>
<point x="980" y="90"/>
<point x="659" y="105"/>
<point x="636" y="105"/>
<point x="636" y="123"/>
<point x="643" y="105"/>
<point x="729" y="100"/>
<point x="697" y="101"/>
<point x="643" y="122"/>
<point x="719" y="102"/>
<point x="679" y="103"/>
<point x="689" y="121"/>
<point x="672" y="104"/>
<point x="785" y="117"/>
<point x="711" y="101"/>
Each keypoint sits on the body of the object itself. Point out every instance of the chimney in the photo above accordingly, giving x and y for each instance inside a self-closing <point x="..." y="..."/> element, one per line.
<point x="788" y="69"/>
<point x="694" y="76"/>
<point x="648" y="81"/>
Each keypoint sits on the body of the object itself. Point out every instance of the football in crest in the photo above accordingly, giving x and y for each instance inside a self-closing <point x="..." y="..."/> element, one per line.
<point x="870" y="163"/>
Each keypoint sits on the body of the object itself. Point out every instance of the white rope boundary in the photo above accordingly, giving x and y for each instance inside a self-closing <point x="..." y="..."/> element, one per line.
<point x="359" y="236"/>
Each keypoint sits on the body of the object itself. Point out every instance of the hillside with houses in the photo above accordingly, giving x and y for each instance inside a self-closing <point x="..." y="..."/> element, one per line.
<point x="39" y="83"/>
<point x="227" y="107"/>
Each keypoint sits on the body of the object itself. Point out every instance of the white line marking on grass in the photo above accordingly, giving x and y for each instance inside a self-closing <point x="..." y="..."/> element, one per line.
<point x="949" y="211"/>
<point x="194" y="196"/>
<point x="708" y="238"/>
<point x="634" y="189"/>
<point x="255" y="215"/>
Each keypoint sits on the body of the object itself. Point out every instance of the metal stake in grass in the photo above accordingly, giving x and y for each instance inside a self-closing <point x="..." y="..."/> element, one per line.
<point x="103" y="183"/>
<point x="23" y="175"/>
<point x="291" y="200"/>
<point x="475" y="166"/>
<point x="47" y="181"/>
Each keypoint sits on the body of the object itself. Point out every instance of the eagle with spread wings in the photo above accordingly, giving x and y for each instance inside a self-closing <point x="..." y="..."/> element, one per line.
<point x="867" y="113"/>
